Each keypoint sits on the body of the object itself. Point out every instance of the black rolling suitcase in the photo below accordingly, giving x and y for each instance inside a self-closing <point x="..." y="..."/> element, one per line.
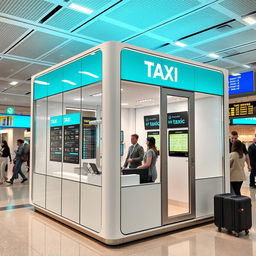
<point x="237" y="214"/>
<point x="219" y="209"/>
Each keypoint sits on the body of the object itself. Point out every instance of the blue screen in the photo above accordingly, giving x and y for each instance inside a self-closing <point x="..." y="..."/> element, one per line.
<point x="251" y="120"/>
<point x="14" y="121"/>
<point x="241" y="83"/>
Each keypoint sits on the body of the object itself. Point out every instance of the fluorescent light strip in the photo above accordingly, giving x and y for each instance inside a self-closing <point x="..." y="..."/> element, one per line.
<point x="83" y="109"/>
<point x="246" y="66"/>
<point x="80" y="8"/>
<point x="13" y="83"/>
<point x="249" y="20"/>
<point x="88" y="74"/>
<point x="145" y="100"/>
<point x="68" y="82"/>
<point x="180" y="44"/>
<point x="96" y="94"/>
<point x="41" y="82"/>
<point x="213" y="55"/>
<point x="235" y="74"/>
<point x="124" y="104"/>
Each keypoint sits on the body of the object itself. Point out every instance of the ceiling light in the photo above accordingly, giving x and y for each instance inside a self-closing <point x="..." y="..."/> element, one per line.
<point x="13" y="83"/>
<point x="80" y="8"/>
<point x="145" y="100"/>
<point x="97" y="94"/>
<point x="180" y="44"/>
<point x="235" y="74"/>
<point x="124" y="104"/>
<point x="78" y="99"/>
<point x="213" y="55"/>
<point x="246" y="66"/>
<point x="250" y="20"/>
<point x="41" y="82"/>
<point x="88" y="74"/>
<point x="68" y="82"/>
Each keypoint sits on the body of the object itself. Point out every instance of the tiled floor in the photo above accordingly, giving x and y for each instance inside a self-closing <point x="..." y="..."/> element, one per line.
<point x="27" y="233"/>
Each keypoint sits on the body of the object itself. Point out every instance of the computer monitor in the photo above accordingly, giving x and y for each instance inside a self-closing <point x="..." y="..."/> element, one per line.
<point x="94" y="168"/>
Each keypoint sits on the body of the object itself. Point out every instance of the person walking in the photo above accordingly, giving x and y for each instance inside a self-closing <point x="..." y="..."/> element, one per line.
<point x="237" y="163"/>
<point x="19" y="160"/>
<point x="4" y="155"/>
<point x="252" y="156"/>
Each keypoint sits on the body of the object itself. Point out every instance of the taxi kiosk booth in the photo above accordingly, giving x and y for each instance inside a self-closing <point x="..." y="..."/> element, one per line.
<point x="84" y="112"/>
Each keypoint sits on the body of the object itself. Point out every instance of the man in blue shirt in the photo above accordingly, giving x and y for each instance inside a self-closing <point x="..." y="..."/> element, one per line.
<point x="19" y="160"/>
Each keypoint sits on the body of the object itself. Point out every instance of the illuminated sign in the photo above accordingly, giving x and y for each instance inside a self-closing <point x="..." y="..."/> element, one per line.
<point x="241" y="83"/>
<point x="242" y="109"/>
<point x="244" y="121"/>
<point x="10" y="111"/>
<point x="14" y="121"/>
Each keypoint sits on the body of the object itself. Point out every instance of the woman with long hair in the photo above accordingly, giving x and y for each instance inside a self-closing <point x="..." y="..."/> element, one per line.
<point x="237" y="162"/>
<point x="5" y="154"/>
<point x="150" y="159"/>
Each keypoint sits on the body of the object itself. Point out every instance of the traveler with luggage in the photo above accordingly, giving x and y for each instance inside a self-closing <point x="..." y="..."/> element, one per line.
<point x="252" y="155"/>
<point x="237" y="162"/>
<point x="19" y="160"/>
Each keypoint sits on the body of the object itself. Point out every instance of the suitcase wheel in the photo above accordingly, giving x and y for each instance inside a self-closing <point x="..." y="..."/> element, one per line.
<point x="219" y="229"/>
<point x="236" y="234"/>
<point x="247" y="232"/>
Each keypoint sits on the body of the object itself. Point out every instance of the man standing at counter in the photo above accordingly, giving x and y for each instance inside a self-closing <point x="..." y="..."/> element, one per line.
<point x="135" y="153"/>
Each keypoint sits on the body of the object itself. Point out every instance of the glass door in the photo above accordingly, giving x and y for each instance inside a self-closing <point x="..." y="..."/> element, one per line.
<point x="177" y="155"/>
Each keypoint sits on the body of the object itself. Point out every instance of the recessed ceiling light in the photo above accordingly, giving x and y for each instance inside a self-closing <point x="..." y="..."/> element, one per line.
<point x="68" y="82"/>
<point x="180" y="44"/>
<point x="213" y="55"/>
<point x="97" y="94"/>
<point x="80" y="8"/>
<point x="88" y="74"/>
<point x="249" y="20"/>
<point x="235" y="74"/>
<point x="246" y="66"/>
<point x="13" y="83"/>
<point x="78" y="99"/>
<point x="124" y="104"/>
<point x="41" y="82"/>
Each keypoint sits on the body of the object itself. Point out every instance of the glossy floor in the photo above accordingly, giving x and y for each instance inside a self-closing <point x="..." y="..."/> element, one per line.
<point x="27" y="233"/>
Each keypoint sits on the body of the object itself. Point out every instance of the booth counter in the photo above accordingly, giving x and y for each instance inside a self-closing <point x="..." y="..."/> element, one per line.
<point x="85" y="110"/>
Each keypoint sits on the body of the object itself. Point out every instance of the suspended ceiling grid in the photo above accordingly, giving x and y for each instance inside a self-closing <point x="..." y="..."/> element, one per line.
<point x="36" y="34"/>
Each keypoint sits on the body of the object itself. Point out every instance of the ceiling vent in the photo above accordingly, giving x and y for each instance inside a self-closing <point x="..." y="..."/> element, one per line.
<point x="224" y="28"/>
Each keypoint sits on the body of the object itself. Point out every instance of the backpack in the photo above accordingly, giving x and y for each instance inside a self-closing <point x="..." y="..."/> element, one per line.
<point x="26" y="152"/>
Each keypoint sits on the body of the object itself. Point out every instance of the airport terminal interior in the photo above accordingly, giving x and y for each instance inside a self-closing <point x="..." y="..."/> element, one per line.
<point x="120" y="122"/>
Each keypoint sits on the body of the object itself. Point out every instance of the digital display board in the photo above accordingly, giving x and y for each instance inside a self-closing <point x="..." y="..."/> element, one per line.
<point x="178" y="143"/>
<point x="89" y="138"/>
<point x="155" y="135"/>
<point x="151" y="122"/>
<point x="56" y="144"/>
<point x="244" y="121"/>
<point x="241" y="83"/>
<point x="242" y="109"/>
<point x="14" y="121"/>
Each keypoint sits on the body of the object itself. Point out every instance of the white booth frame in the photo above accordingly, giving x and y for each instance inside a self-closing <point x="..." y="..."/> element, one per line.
<point x="111" y="231"/>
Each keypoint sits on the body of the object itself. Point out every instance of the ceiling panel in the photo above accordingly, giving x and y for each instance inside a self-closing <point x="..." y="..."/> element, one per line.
<point x="32" y="10"/>
<point x="67" y="51"/>
<point x="231" y="26"/>
<point x="21" y="89"/>
<point x="105" y="31"/>
<point x="4" y="85"/>
<point x="240" y="7"/>
<point x="145" y="42"/>
<point x="187" y="54"/>
<point x="9" y="33"/>
<point x="36" y="44"/>
<point x="146" y="13"/>
<point x="190" y="24"/>
<point x="15" y="100"/>
<point x="220" y="64"/>
<point x="229" y="41"/>
<point x="237" y="50"/>
<point x="244" y="58"/>
<point x="29" y="71"/>
<point x="8" y="67"/>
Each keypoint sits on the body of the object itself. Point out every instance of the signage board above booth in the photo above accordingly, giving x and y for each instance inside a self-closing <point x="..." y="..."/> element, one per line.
<point x="241" y="83"/>
<point x="244" y="121"/>
<point x="78" y="73"/>
<point x="174" y="120"/>
<point x="242" y="109"/>
<point x="149" y="69"/>
<point x="14" y="121"/>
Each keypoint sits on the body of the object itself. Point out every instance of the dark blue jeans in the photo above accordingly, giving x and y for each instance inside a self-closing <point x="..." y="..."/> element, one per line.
<point x="18" y="171"/>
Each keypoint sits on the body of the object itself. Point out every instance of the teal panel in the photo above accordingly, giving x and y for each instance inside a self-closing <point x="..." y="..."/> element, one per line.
<point x="79" y="73"/>
<point x="144" y="68"/>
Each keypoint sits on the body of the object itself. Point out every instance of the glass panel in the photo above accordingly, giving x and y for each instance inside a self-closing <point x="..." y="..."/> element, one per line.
<point x="54" y="136"/>
<point x="72" y="134"/>
<point x="91" y="134"/>
<point x="177" y="155"/>
<point x="140" y="108"/>
<point x="40" y="134"/>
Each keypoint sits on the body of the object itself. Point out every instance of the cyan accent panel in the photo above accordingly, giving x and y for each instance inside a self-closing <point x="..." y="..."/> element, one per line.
<point x="149" y="69"/>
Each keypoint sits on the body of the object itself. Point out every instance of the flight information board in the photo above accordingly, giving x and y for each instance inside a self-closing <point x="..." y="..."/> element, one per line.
<point x="242" y="109"/>
<point x="241" y="83"/>
<point x="56" y="144"/>
<point x="89" y="138"/>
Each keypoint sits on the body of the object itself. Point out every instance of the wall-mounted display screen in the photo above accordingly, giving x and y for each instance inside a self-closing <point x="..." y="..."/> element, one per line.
<point x="178" y="143"/>
<point x="14" y="121"/>
<point x="56" y="144"/>
<point x="242" y="109"/>
<point x="243" y="121"/>
<point x="155" y="135"/>
<point x="241" y="83"/>
<point x="121" y="149"/>
<point x="151" y="122"/>
<point x="89" y="138"/>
